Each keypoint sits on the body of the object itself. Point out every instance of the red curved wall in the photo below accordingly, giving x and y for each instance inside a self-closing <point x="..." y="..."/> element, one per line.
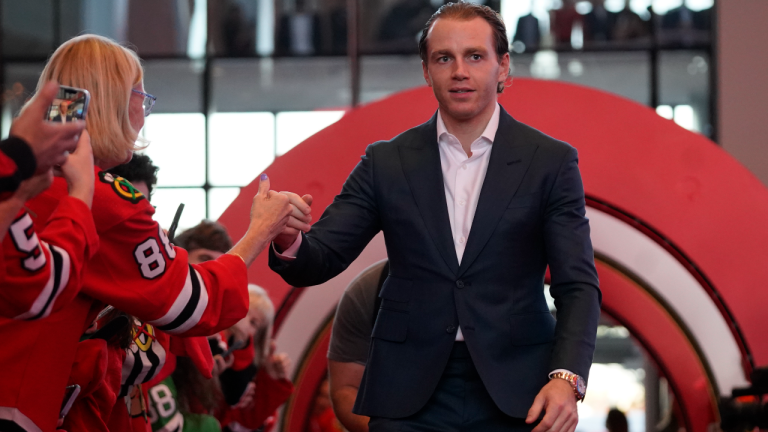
<point x="685" y="188"/>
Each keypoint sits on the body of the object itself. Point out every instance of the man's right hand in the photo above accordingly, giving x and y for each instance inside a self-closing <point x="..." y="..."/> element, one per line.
<point x="48" y="140"/>
<point x="299" y="220"/>
<point x="271" y="213"/>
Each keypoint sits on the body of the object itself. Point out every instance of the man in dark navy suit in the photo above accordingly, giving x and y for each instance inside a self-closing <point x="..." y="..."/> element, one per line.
<point x="474" y="205"/>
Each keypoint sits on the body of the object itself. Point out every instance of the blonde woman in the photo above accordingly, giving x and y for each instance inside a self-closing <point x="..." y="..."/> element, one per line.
<point x="136" y="270"/>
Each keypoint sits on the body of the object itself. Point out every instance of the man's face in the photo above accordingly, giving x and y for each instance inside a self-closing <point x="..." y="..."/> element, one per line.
<point x="462" y="67"/>
<point x="141" y="185"/>
<point x="199" y="256"/>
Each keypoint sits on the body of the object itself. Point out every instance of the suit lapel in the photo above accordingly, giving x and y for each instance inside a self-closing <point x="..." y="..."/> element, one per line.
<point x="421" y="164"/>
<point x="507" y="166"/>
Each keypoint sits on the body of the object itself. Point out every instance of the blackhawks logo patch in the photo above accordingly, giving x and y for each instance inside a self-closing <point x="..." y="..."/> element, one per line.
<point x="122" y="187"/>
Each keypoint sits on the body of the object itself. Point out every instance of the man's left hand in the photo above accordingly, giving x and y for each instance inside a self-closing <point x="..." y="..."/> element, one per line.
<point x="559" y="403"/>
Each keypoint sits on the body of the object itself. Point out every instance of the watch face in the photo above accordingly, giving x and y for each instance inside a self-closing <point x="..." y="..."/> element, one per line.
<point x="581" y="386"/>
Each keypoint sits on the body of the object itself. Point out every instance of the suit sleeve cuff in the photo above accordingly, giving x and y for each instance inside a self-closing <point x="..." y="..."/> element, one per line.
<point x="290" y="253"/>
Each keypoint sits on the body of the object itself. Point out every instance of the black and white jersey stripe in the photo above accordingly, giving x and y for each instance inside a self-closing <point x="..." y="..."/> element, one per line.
<point x="188" y="307"/>
<point x="13" y="420"/>
<point x="60" y="266"/>
<point x="141" y="364"/>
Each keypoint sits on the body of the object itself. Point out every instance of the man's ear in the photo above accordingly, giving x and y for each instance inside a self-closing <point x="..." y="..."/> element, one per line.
<point x="504" y="68"/>
<point x="426" y="73"/>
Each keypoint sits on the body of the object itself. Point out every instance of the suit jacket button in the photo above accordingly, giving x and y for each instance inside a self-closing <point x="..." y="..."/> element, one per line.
<point x="450" y="329"/>
<point x="460" y="284"/>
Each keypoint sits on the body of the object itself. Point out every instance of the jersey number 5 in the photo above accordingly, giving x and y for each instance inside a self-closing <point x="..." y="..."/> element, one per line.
<point x="26" y="241"/>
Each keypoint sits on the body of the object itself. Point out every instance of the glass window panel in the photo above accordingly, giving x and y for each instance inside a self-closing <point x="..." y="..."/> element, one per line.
<point x="27" y="28"/>
<point x="393" y="27"/>
<point x="219" y="200"/>
<point x="176" y="83"/>
<point x="295" y="127"/>
<point x="380" y="76"/>
<point x="241" y="146"/>
<point x="20" y="82"/>
<point x="105" y="18"/>
<point x="177" y="147"/>
<point x="684" y="80"/>
<point x="232" y="27"/>
<point x="623" y="73"/>
<point x="686" y="117"/>
<point x="166" y="202"/>
<point x="281" y="84"/>
<point x="159" y="28"/>
<point x="665" y="111"/>
<point x="306" y="27"/>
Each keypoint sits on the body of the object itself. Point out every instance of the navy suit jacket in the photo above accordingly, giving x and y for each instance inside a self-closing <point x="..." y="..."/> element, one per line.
<point x="530" y="214"/>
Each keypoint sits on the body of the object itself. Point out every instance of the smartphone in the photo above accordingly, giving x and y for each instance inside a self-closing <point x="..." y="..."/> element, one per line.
<point x="70" y="104"/>
<point x="235" y="346"/>
<point x="69" y="398"/>
<point x="175" y="223"/>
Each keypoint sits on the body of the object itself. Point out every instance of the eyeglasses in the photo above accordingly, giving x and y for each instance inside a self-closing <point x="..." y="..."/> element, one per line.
<point x="148" y="103"/>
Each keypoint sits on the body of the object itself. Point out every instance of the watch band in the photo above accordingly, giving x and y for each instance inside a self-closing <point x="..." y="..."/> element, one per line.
<point x="576" y="382"/>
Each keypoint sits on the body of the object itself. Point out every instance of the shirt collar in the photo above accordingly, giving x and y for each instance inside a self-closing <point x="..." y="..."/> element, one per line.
<point x="490" y="129"/>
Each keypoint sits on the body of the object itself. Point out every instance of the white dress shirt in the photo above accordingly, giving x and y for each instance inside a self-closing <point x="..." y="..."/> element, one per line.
<point x="463" y="178"/>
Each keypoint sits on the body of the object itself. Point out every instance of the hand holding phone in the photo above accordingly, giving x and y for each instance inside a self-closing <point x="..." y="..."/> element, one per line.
<point x="236" y="345"/>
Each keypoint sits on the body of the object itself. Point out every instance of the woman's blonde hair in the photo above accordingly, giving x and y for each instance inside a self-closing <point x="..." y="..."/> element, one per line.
<point x="259" y="299"/>
<point x="108" y="71"/>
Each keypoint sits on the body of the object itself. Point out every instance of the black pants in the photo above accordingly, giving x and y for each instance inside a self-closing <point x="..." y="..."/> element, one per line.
<point x="460" y="403"/>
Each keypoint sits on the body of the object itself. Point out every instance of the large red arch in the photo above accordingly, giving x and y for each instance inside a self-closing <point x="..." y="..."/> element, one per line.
<point x="642" y="173"/>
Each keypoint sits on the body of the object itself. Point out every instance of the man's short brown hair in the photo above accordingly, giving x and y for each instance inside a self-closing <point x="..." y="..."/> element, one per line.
<point x="467" y="11"/>
<point x="206" y="235"/>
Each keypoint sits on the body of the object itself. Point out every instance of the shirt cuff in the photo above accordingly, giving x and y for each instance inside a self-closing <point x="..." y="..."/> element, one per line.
<point x="560" y="370"/>
<point x="290" y="253"/>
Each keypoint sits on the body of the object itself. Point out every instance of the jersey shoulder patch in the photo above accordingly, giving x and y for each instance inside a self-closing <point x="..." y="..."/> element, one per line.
<point x="122" y="187"/>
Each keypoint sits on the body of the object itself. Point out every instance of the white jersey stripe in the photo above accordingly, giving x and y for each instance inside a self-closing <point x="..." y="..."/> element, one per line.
<point x="57" y="281"/>
<point x="13" y="415"/>
<point x="199" y="310"/>
<point x="178" y="306"/>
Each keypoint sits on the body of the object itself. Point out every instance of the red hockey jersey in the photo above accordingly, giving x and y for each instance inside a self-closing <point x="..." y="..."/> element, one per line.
<point x="42" y="273"/>
<point x="136" y="270"/>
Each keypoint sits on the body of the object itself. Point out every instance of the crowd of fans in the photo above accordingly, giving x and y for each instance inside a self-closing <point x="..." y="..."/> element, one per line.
<point x="99" y="308"/>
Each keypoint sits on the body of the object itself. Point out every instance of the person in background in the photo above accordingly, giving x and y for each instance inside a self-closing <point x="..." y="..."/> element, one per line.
<point x="255" y="406"/>
<point x="616" y="421"/>
<point x="322" y="418"/>
<point x="140" y="171"/>
<point x="599" y="23"/>
<point x="249" y="384"/>
<point x="628" y="26"/>
<point x="528" y="32"/>
<point x="350" y="342"/>
<point x="562" y="22"/>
